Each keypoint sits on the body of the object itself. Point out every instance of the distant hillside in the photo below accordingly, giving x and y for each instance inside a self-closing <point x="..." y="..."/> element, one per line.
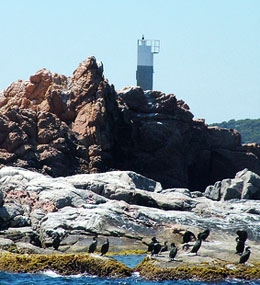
<point x="249" y="129"/>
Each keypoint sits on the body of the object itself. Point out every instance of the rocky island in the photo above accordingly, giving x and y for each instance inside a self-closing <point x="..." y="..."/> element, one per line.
<point x="80" y="159"/>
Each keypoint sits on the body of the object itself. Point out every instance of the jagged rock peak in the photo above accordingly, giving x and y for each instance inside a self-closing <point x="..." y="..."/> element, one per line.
<point x="66" y="125"/>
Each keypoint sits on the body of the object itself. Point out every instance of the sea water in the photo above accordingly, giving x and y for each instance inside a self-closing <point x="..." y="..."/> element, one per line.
<point x="51" y="278"/>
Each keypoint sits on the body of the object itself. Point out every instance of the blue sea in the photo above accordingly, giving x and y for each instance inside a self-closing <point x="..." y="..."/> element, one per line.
<point x="50" y="278"/>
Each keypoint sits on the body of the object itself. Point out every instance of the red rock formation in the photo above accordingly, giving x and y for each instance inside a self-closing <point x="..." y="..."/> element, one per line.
<point x="48" y="122"/>
<point x="65" y="125"/>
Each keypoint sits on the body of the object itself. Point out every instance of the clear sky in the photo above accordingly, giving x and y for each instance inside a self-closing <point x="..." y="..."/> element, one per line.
<point x="209" y="57"/>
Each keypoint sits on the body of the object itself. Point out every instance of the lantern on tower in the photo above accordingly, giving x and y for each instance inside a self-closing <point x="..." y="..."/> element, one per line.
<point x="145" y="51"/>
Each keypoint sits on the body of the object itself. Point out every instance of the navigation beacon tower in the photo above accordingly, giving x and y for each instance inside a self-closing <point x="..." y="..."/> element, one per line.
<point x="145" y="51"/>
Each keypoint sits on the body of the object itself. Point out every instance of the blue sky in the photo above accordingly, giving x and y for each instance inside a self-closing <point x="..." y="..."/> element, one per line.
<point x="209" y="57"/>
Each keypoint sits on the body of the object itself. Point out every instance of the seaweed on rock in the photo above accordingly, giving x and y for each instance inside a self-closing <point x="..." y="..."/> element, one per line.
<point x="152" y="270"/>
<point x="64" y="264"/>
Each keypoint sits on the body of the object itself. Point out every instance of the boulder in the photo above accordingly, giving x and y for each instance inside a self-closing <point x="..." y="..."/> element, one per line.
<point x="251" y="189"/>
<point x="245" y="185"/>
<point x="120" y="179"/>
<point x="6" y="243"/>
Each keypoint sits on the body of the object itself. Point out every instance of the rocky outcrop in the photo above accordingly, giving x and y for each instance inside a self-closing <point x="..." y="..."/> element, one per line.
<point x="162" y="141"/>
<point x="120" y="204"/>
<point x="245" y="185"/>
<point x="61" y="126"/>
<point x="58" y="125"/>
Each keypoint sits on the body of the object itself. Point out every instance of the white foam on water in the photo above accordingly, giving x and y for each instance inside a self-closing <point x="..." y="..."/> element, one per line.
<point x="51" y="273"/>
<point x="136" y="274"/>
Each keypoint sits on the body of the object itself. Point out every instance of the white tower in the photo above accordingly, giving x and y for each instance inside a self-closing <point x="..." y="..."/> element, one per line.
<point x="145" y="51"/>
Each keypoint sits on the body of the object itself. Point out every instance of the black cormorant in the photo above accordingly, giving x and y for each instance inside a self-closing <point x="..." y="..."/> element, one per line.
<point x="203" y="235"/>
<point x="242" y="235"/>
<point x="151" y="244"/>
<point x="105" y="247"/>
<point x="156" y="248"/>
<point x="56" y="240"/>
<point x="240" y="246"/>
<point x="173" y="251"/>
<point x="35" y="239"/>
<point x="188" y="236"/>
<point x="93" y="245"/>
<point x="165" y="247"/>
<point x="196" y="246"/>
<point x="244" y="257"/>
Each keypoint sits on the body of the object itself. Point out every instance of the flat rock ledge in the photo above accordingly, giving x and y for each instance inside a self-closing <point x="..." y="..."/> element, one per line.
<point x="153" y="269"/>
<point x="216" y="260"/>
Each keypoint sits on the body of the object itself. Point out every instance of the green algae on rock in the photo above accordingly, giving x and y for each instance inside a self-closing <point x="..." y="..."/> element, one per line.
<point x="64" y="264"/>
<point x="154" y="270"/>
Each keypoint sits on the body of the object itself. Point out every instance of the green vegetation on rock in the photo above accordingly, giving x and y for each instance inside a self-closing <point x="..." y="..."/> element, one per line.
<point x="154" y="270"/>
<point x="64" y="264"/>
<point x="150" y="268"/>
<point x="249" y="129"/>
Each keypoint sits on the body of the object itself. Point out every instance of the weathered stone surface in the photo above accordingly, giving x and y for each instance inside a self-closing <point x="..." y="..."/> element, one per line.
<point x="79" y="206"/>
<point x="161" y="140"/>
<point x="5" y="243"/>
<point x="48" y="122"/>
<point x="245" y="185"/>
<point x="62" y="126"/>
<point x="251" y="186"/>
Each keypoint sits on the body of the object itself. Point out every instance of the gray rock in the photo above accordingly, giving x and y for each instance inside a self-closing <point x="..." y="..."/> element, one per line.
<point x="36" y="216"/>
<point x="20" y="221"/>
<point x="249" y="177"/>
<point x="213" y="191"/>
<point x="110" y="204"/>
<point x="31" y="249"/>
<point x="8" y="214"/>
<point x="231" y="189"/>
<point x="196" y="194"/>
<point x="251" y="188"/>
<point x="245" y="185"/>
<point x="5" y="243"/>
<point x="115" y="179"/>
<point x="250" y="191"/>
<point x="174" y="191"/>
<point x="82" y="244"/>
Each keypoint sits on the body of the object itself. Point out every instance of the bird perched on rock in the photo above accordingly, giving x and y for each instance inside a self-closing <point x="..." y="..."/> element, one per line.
<point x="151" y="244"/>
<point x="245" y="256"/>
<point x="242" y="235"/>
<point x="105" y="247"/>
<point x="203" y="235"/>
<point x="196" y="246"/>
<point x="56" y="240"/>
<point x="35" y="239"/>
<point x="188" y="236"/>
<point x="165" y="247"/>
<point x="240" y="246"/>
<point x="93" y="245"/>
<point x="156" y="248"/>
<point x="173" y="251"/>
